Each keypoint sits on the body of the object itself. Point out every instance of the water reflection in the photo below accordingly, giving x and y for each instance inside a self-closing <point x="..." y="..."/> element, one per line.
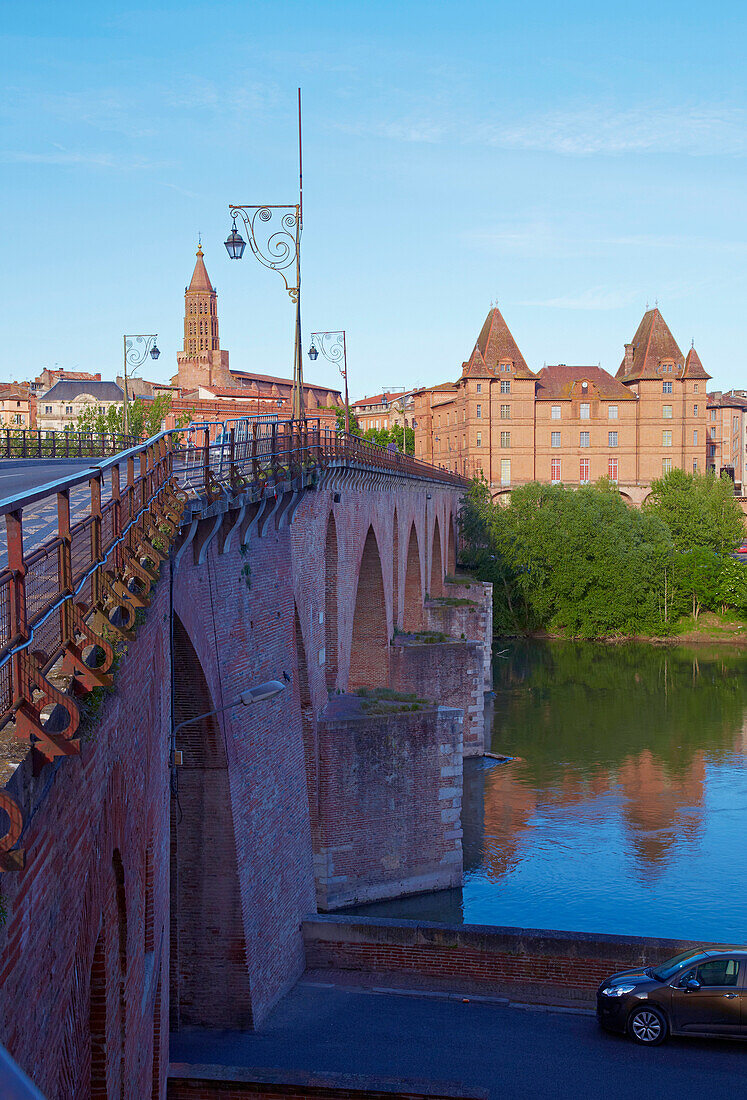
<point x="624" y="806"/>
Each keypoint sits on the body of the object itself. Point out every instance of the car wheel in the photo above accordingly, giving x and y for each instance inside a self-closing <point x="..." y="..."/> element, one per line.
<point x="648" y="1026"/>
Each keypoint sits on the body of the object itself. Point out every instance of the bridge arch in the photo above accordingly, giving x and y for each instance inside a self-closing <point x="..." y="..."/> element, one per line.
<point x="97" y="1021"/>
<point x="412" y="616"/>
<point x="330" y="604"/>
<point x="451" y="548"/>
<point x="437" y="570"/>
<point x="395" y="568"/>
<point x="369" y="649"/>
<point x="209" y="974"/>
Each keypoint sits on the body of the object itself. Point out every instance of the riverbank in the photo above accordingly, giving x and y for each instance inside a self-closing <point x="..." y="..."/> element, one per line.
<point x="709" y="629"/>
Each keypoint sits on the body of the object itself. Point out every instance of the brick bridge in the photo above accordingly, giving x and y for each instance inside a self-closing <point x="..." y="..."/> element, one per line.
<point x="156" y="877"/>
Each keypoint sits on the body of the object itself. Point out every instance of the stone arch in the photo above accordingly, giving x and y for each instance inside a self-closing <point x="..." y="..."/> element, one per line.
<point x="121" y="898"/>
<point x="97" y="1020"/>
<point x="412" y="616"/>
<point x="209" y="976"/>
<point x="330" y="604"/>
<point x="437" y="569"/>
<point x="369" y="649"/>
<point x="451" y="548"/>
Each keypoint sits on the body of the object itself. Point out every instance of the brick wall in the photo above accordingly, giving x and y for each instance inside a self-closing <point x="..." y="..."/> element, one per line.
<point x="390" y="793"/>
<point x="472" y="620"/>
<point x="450" y="673"/>
<point x="79" y="978"/>
<point x="524" y="964"/>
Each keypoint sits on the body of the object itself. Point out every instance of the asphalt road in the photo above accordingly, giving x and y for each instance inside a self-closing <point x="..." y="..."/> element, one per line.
<point x="20" y="475"/>
<point x="509" y="1051"/>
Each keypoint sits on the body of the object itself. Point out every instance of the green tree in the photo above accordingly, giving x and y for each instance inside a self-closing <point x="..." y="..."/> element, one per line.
<point x="700" y="575"/>
<point x="733" y="586"/>
<point x="699" y="510"/>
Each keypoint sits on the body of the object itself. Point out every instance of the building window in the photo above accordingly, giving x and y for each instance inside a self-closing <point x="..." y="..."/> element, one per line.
<point x="505" y="439"/>
<point x="666" y="438"/>
<point x="612" y="439"/>
<point x="555" y="412"/>
<point x="555" y="470"/>
<point x="612" y="412"/>
<point x="505" y="412"/>
<point x="666" y="412"/>
<point x="695" y="465"/>
<point x="666" y="387"/>
<point x="68" y="410"/>
<point x="584" y="439"/>
<point x="666" y="465"/>
<point x="479" y="412"/>
<point x="585" y="409"/>
<point x="554" y="439"/>
<point x="583" y="470"/>
<point x="47" y="408"/>
<point x="612" y="469"/>
<point x="695" y="439"/>
<point x="479" y="387"/>
<point x="479" y="439"/>
<point x="696" y="388"/>
<point x="713" y="413"/>
<point x="505" y="385"/>
<point x="695" y="412"/>
<point x="505" y="471"/>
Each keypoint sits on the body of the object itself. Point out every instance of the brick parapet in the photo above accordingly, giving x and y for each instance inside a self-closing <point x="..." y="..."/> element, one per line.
<point x="528" y="964"/>
<point x="113" y="797"/>
<point x="210" y="1082"/>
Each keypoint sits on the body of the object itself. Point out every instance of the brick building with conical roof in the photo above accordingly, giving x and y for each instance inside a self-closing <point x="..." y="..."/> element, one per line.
<point x="569" y="424"/>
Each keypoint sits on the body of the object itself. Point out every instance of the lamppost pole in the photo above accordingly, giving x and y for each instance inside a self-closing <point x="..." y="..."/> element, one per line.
<point x="136" y="351"/>
<point x="333" y="346"/>
<point x="277" y="245"/>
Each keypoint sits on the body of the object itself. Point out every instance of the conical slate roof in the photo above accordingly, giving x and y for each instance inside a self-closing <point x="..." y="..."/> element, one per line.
<point x="652" y="343"/>
<point x="495" y="345"/>
<point x="200" y="280"/>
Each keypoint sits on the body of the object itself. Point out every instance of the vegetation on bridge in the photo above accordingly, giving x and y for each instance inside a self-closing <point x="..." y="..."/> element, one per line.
<point x="583" y="563"/>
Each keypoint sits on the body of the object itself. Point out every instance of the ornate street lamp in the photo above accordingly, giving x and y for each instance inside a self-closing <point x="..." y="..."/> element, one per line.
<point x="136" y="351"/>
<point x="334" y="348"/>
<point x="274" y="236"/>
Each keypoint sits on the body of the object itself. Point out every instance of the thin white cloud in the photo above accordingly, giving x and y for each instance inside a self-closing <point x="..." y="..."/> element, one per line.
<point x="63" y="157"/>
<point x="705" y="130"/>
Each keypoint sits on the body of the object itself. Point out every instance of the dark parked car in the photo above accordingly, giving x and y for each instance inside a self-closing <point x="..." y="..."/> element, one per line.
<point x="701" y="992"/>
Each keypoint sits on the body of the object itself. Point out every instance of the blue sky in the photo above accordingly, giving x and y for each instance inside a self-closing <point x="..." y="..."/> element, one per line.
<point x="571" y="162"/>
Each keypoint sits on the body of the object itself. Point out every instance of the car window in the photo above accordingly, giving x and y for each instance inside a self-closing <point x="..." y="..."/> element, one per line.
<point x="718" y="972"/>
<point x="669" y="968"/>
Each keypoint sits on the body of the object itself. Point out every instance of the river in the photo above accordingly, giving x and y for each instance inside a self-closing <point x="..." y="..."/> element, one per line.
<point x="625" y="807"/>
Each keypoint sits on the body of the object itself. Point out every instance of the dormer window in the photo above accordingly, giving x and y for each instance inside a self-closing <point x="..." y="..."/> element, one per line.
<point x="504" y="367"/>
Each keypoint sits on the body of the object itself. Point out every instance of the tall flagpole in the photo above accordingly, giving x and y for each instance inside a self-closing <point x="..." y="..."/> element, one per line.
<point x="299" y="413"/>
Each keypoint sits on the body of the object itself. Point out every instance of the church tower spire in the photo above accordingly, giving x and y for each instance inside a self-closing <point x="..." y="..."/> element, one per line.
<point x="201" y="362"/>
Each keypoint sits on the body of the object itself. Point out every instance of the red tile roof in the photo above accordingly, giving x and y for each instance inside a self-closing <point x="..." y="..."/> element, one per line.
<point x="565" y="382"/>
<point x="495" y="345"/>
<point x="693" y="366"/>
<point x="652" y="343"/>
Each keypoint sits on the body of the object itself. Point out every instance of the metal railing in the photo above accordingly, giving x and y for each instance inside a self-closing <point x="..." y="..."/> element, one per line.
<point x="240" y="454"/>
<point x="43" y="443"/>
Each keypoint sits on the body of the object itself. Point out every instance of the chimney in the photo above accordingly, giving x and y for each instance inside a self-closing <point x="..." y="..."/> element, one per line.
<point x="628" y="361"/>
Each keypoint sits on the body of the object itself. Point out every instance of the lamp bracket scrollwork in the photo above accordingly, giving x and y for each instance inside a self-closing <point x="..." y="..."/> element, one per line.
<point x="332" y="347"/>
<point x="138" y="348"/>
<point x="274" y="236"/>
